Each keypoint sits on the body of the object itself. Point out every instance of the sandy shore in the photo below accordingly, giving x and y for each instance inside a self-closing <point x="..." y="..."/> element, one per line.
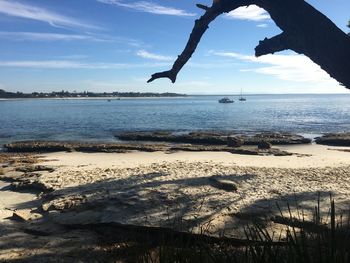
<point x="160" y="189"/>
<point x="214" y="192"/>
<point x="319" y="156"/>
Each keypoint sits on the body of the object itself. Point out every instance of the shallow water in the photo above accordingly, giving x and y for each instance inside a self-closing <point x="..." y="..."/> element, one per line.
<point x="98" y="119"/>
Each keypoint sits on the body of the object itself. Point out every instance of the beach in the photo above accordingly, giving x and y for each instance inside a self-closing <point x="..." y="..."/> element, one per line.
<point x="188" y="191"/>
<point x="148" y="185"/>
<point x="315" y="156"/>
<point x="187" y="180"/>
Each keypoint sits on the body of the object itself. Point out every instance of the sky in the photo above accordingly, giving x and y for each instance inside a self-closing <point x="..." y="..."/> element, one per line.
<point x="116" y="45"/>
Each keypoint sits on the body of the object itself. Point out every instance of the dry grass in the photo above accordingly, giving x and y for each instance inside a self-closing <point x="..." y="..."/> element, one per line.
<point x="2" y="171"/>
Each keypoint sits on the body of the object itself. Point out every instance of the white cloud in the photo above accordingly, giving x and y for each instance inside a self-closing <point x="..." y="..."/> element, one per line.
<point x="33" y="36"/>
<point x="262" y="25"/>
<point x="72" y="57"/>
<point x="148" y="7"/>
<point x="295" y="68"/>
<point x="148" y="55"/>
<point x="251" y="12"/>
<point x="36" y="36"/>
<point x="70" y="64"/>
<point x="16" y="9"/>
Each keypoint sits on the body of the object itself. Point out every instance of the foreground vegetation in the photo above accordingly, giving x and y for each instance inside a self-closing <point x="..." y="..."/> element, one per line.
<point x="322" y="240"/>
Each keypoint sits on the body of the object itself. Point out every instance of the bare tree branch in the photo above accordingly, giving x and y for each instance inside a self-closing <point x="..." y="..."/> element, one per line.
<point x="201" y="25"/>
<point x="272" y="45"/>
<point x="204" y="7"/>
<point x="305" y="30"/>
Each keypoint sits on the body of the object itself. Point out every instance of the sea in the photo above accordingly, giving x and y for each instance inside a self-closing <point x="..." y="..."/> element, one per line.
<point x="100" y="119"/>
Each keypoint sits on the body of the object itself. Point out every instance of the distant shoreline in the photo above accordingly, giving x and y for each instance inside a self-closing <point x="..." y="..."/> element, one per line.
<point x="167" y="97"/>
<point x="86" y="94"/>
<point x="94" y="98"/>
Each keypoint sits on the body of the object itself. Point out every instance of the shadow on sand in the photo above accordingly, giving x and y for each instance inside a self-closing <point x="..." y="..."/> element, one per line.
<point x="85" y="223"/>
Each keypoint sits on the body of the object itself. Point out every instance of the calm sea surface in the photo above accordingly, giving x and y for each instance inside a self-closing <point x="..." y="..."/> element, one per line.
<point x="99" y="119"/>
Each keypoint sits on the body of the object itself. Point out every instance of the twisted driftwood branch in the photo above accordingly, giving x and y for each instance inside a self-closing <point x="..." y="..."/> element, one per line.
<point x="305" y="31"/>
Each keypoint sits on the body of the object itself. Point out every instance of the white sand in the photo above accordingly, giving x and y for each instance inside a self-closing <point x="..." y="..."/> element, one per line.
<point x="159" y="188"/>
<point x="11" y="201"/>
<point x="173" y="190"/>
<point x="321" y="156"/>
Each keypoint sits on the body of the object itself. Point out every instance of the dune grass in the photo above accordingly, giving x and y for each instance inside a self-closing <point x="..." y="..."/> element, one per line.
<point x="320" y="240"/>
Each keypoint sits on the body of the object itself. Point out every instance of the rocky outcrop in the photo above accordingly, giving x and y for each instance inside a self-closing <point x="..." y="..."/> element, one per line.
<point x="192" y="137"/>
<point x="195" y="141"/>
<point x="276" y="139"/>
<point x="31" y="184"/>
<point x="235" y="141"/>
<point x="23" y="215"/>
<point x="52" y="146"/>
<point x="36" y="147"/>
<point x="263" y="145"/>
<point x="11" y="176"/>
<point x="334" y="139"/>
<point x="27" y="177"/>
<point x="216" y="138"/>
<point x="36" y="168"/>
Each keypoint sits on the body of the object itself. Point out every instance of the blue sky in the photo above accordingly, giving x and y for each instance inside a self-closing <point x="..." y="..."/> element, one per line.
<point x="115" y="45"/>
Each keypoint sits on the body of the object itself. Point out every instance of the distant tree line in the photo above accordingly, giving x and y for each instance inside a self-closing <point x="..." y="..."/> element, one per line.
<point x="85" y="94"/>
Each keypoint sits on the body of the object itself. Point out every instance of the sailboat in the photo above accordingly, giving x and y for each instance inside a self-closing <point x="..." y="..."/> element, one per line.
<point x="241" y="98"/>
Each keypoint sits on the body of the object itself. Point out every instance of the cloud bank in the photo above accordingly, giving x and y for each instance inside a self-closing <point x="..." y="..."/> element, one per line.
<point x="252" y="13"/>
<point x="72" y="64"/>
<point x="148" y="7"/>
<point x="148" y="55"/>
<point x="296" y="68"/>
<point x="16" y="9"/>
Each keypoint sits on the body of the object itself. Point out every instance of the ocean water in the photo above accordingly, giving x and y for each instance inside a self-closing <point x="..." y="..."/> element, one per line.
<point x="100" y="120"/>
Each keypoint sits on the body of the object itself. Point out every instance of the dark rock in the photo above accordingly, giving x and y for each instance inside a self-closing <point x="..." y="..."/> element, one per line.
<point x="234" y="141"/>
<point x="52" y="146"/>
<point x="334" y="139"/>
<point x="193" y="137"/>
<point x="276" y="139"/>
<point x="37" y="168"/>
<point x="124" y="147"/>
<point x="223" y="184"/>
<point x="33" y="146"/>
<point x="214" y="138"/>
<point x="162" y="133"/>
<point x="263" y="145"/>
<point x="12" y="176"/>
<point x="255" y="151"/>
<point x="31" y="186"/>
<point x="25" y="215"/>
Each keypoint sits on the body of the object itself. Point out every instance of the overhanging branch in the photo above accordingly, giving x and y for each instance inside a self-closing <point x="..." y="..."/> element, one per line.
<point x="305" y="30"/>
<point x="272" y="45"/>
<point x="201" y="25"/>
